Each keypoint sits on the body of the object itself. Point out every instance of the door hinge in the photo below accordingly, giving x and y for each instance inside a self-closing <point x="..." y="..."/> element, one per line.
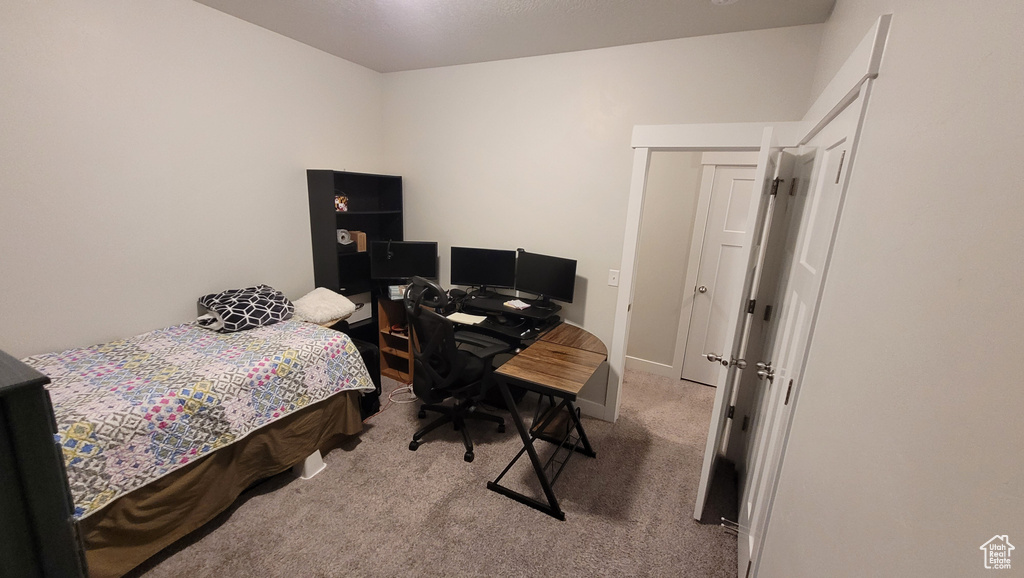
<point x="749" y="562"/>
<point x="775" y="186"/>
<point x="792" y="186"/>
<point x="789" y="390"/>
<point x="750" y="305"/>
<point x="767" y="312"/>
<point x="746" y="422"/>
<point x="732" y="410"/>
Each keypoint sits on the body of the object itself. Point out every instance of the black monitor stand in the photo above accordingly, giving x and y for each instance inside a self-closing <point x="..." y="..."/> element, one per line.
<point x="543" y="303"/>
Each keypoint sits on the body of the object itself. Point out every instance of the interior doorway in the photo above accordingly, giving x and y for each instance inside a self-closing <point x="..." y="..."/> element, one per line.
<point x="693" y="221"/>
<point x="670" y="216"/>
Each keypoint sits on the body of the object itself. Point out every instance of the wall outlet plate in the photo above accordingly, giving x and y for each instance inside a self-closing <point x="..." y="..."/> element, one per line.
<point x="613" y="277"/>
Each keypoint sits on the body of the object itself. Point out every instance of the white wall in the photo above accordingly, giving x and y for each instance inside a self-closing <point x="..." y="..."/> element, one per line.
<point x="670" y="205"/>
<point x="534" y="152"/>
<point x="154" y="152"/>
<point x="905" y="452"/>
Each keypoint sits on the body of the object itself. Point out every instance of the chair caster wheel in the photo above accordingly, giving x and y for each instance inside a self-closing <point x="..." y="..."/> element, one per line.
<point x="501" y="428"/>
<point x="413" y="445"/>
<point x="469" y="456"/>
<point x="422" y="414"/>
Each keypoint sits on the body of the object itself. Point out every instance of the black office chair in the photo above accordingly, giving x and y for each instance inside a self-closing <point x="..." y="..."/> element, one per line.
<point x="442" y="370"/>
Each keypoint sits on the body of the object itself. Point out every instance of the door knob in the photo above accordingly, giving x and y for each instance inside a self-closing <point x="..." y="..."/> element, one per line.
<point x="702" y="289"/>
<point x="768" y="374"/>
<point x="740" y="363"/>
<point x="763" y="365"/>
<point x="715" y="358"/>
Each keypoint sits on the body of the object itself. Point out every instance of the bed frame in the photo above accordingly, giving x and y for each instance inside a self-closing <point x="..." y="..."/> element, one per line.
<point x="137" y="525"/>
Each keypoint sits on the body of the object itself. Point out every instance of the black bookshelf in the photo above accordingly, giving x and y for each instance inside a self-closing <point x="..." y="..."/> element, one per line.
<point x="375" y="208"/>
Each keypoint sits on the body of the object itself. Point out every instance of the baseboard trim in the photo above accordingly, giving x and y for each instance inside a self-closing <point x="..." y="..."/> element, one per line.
<point x="591" y="408"/>
<point x="650" y="367"/>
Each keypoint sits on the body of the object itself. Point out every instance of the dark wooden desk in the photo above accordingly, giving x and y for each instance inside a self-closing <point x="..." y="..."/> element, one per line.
<point x="558" y="365"/>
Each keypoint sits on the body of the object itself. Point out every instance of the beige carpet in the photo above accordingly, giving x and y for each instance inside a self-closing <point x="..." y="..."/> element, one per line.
<point x="382" y="510"/>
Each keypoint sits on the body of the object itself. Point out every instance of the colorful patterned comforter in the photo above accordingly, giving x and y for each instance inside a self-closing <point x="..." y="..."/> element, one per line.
<point x="131" y="411"/>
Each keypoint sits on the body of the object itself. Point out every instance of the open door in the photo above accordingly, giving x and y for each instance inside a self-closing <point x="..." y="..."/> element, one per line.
<point x="761" y="389"/>
<point x="800" y="290"/>
<point x="738" y="323"/>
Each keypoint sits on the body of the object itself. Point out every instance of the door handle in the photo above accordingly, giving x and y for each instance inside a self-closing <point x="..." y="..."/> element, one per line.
<point x="702" y="289"/>
<point x="768" y="374"/>
<point x="763" y="365"/>
<point x="740" y="363"/>
<point x="715" y="358"/>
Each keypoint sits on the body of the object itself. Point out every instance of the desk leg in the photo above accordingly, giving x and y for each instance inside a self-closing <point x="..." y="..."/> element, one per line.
<point x="586" y="449"/>
<point x="551" y="508"/>
<point x="570" y="408"/>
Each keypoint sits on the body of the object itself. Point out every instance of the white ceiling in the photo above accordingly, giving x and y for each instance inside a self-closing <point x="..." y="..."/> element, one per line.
<point x="395" y="35"/>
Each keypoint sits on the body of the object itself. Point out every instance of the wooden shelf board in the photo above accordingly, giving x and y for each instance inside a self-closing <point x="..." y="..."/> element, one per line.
<point x="396" y="352"/>
<point x="395" y="374"/>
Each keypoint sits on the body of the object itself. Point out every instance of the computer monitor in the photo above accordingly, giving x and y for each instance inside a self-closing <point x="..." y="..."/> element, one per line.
<point x="545" y="276"/>
<point x="483" y="267"/>
<point x="399" y="260"/>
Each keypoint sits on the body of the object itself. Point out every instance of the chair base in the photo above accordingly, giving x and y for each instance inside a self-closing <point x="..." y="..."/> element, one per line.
<point x="456" y="415"/>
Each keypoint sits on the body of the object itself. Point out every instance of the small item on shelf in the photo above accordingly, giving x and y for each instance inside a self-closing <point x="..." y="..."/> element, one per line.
<point x="516" y="304"/>
<point x="360" y="238"/>
<point x="399" y="329"/>
<point x="341" y="203"/>
<point x="346" y="244"/>
<point x="396" y="292"/>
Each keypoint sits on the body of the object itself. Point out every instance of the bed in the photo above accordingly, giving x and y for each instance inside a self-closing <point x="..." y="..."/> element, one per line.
<point x="162" y="431"/>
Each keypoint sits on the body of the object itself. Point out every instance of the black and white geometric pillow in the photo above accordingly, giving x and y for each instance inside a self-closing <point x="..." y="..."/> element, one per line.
<point x="239" y="309"/>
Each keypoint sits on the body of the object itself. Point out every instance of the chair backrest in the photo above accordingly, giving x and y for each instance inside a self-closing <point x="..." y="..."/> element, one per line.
<point x="437" y="361"/>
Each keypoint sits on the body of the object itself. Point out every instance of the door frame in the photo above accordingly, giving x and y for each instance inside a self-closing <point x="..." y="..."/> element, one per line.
<point x="710" y="161"/>
<point x="861" y="66"/>
<point x="721" y="137"/>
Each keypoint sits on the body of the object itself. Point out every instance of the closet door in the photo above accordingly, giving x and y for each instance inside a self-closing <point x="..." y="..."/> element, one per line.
<point x="720" y="274"/>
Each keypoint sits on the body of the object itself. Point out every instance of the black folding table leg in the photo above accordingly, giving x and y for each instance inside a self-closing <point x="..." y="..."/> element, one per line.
<point x="586" y="449"/>
<point x="551" y="508"/>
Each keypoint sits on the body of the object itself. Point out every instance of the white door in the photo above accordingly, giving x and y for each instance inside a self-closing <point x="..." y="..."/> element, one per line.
<point x="723" y="256"/>
<point x="776" y="243"/>
<point x="800" y="288"/>
<point x="755" y="389"/>
<point x="737" y="321"/>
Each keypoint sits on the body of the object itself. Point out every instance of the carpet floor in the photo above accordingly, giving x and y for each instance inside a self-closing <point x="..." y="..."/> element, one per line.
<point x="382" y="510"/>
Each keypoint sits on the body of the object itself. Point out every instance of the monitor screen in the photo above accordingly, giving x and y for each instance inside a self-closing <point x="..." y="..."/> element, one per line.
<point x="550" y="277"/>
<point x="403" y="259"/>
<point x="483" y="267"/>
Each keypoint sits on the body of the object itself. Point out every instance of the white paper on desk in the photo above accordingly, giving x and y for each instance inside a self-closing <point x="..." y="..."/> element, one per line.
<point x="465" y="318"/>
